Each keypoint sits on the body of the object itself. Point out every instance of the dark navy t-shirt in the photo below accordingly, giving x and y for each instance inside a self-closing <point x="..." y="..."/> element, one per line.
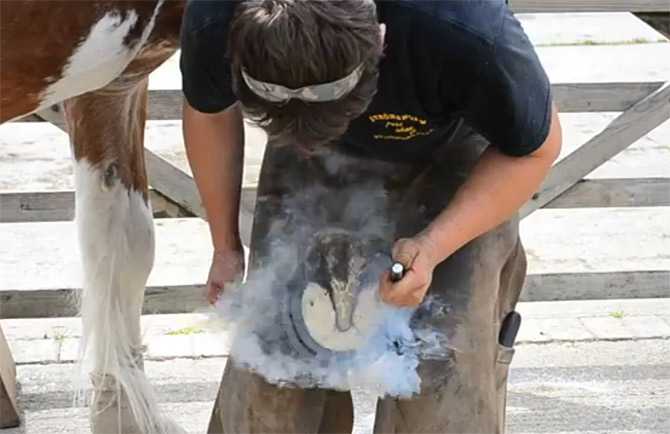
<point x="445" y="63"/>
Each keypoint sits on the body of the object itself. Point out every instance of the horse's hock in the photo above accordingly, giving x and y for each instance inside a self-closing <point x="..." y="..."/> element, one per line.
<point x="642" y="106"/>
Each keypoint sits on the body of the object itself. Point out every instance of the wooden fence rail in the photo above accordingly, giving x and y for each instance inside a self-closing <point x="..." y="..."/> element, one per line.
<point x="165" y="104"/>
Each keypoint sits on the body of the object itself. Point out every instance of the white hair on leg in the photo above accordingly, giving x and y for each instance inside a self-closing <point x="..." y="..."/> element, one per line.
<point x="116" y="237"/>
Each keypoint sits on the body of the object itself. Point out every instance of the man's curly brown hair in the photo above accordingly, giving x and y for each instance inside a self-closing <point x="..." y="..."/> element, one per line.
<point x="297" y="43"/>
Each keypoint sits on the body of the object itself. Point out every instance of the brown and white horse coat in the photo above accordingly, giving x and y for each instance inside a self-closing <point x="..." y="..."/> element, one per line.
<point x="94" y="57"/>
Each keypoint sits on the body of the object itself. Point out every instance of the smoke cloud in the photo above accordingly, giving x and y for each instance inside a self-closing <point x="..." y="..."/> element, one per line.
<point x="256" y="317"/>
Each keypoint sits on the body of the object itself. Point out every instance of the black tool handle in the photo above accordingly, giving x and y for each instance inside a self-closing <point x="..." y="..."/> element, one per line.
<point x="397" y="271"/>
<point x="509" y="329"/>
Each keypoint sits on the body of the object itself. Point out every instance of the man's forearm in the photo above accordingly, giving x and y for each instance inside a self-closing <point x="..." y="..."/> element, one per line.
<point x="497" y="188"/>
<point x="215" y="150"/>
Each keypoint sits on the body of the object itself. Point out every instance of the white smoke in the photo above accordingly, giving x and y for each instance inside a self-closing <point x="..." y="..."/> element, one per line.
<point x="385" y="366"/>
<point x="377" y="367"/>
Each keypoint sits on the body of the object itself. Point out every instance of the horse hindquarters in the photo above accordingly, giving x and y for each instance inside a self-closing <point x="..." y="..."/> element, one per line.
<point x="116" y="236"/>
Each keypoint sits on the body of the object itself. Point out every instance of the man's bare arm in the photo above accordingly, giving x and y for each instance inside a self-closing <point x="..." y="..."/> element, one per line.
<point x="215" y="150"/>
<point x="497" y="188"/>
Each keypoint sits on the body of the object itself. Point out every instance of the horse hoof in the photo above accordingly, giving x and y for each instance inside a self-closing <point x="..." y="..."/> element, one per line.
<point x="110" y="410"/>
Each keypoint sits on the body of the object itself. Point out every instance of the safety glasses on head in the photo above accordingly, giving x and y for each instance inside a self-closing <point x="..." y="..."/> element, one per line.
<point x="323" y="92"/>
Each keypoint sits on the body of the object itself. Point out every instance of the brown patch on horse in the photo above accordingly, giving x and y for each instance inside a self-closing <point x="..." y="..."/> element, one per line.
<point x="126" y="97"/>
<point x="35" y="43"/>
<point x="107" y="131"/>
<point x="38" y="38"/>
<point x="108" y="125"/>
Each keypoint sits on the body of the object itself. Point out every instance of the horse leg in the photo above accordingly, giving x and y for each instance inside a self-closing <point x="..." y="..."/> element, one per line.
<point x="116" y="236"/>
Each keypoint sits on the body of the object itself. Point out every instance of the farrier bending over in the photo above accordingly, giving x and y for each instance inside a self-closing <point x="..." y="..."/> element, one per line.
<point x="421" y="86"/>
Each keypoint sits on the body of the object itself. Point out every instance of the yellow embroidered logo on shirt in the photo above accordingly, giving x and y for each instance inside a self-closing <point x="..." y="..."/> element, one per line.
<point x="401" y="127"/>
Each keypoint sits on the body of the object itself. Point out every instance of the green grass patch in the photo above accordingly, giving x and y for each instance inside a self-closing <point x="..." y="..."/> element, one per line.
<point x="617" y="314"/>
<point x="59" y="338"/>
<point x="186" y="331"/>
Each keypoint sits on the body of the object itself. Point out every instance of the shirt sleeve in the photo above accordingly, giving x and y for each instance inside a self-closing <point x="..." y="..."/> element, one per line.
<point x="510" y="101"/>
<point x="205" y="70"/>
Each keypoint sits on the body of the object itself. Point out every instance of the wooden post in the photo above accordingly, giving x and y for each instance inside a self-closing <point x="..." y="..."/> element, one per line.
<point x="9" y="409"/>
